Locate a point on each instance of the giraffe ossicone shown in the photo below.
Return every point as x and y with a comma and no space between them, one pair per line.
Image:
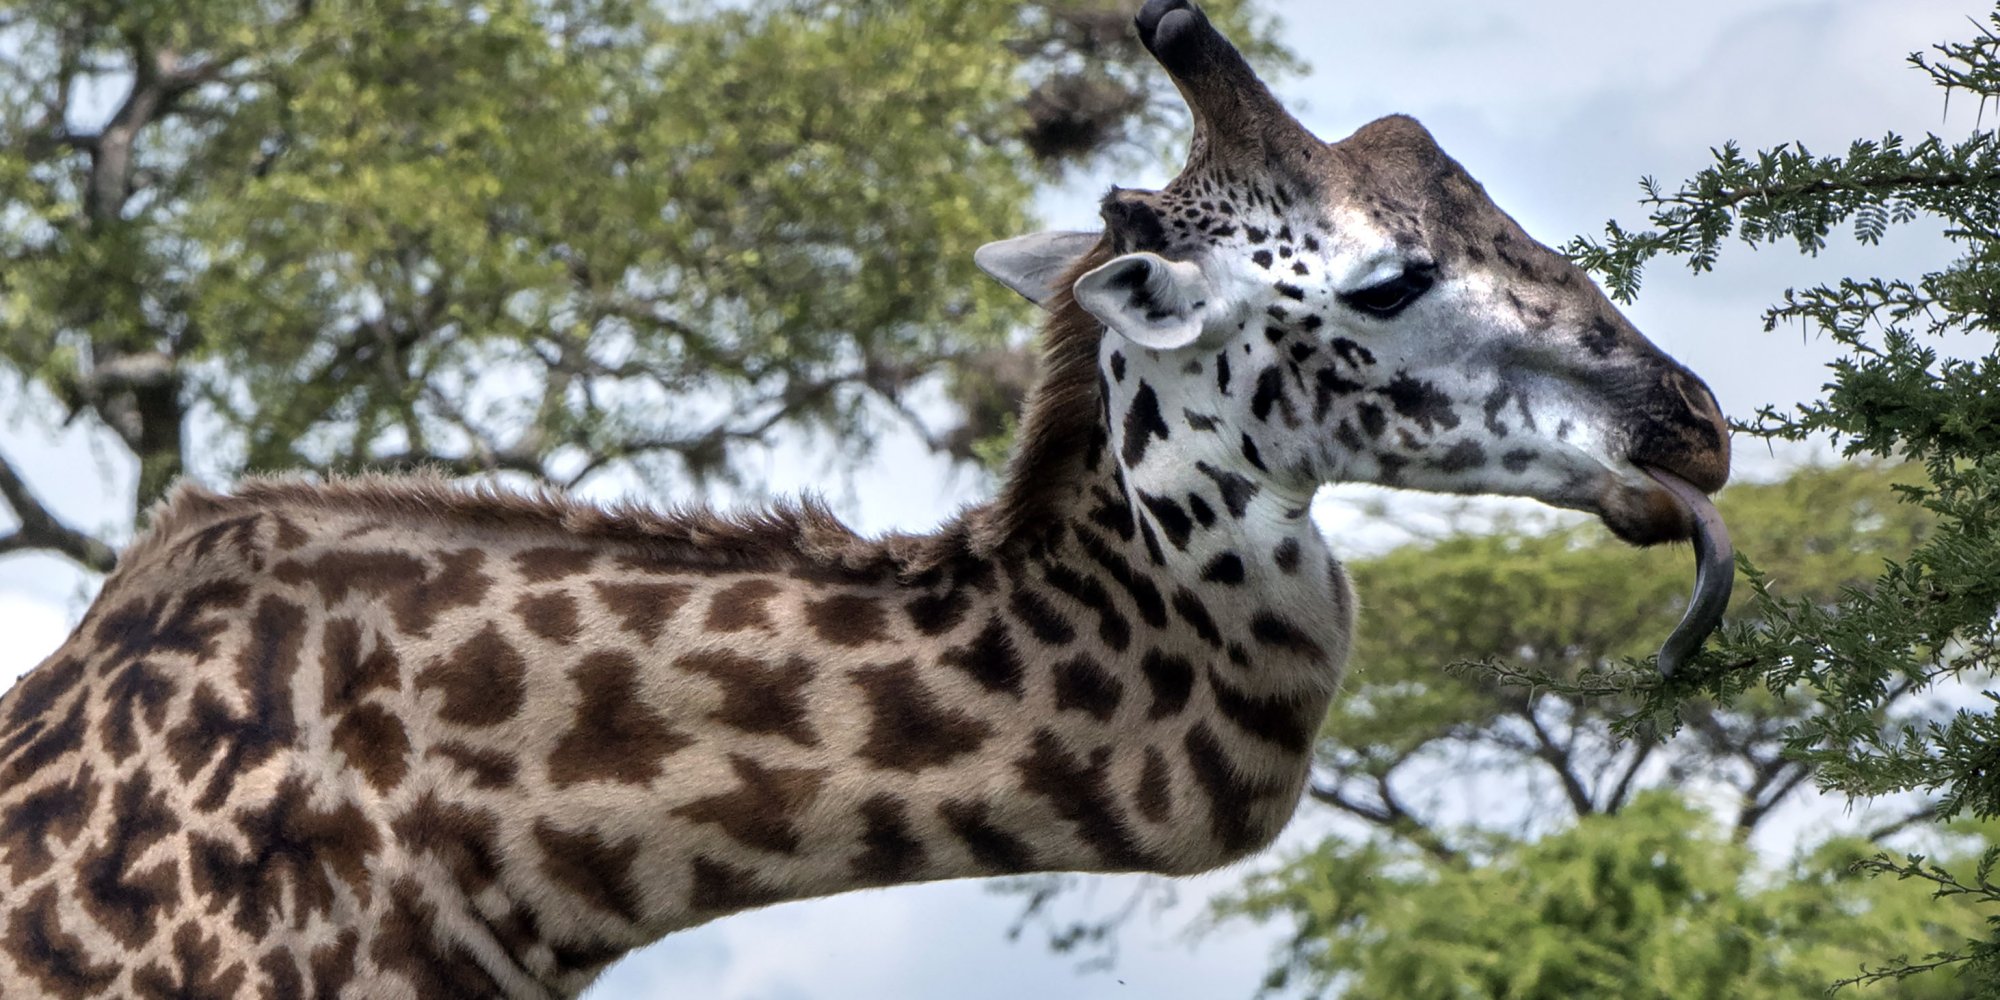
397,738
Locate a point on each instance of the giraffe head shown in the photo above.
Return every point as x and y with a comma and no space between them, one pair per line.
1361,311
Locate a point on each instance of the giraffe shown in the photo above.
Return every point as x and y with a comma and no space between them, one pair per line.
383,737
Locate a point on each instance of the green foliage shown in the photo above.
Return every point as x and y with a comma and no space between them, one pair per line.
1929,625
552,237
1657,902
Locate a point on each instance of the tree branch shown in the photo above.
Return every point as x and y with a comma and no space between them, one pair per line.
40,529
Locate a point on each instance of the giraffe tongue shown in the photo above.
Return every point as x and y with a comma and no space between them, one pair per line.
1714,574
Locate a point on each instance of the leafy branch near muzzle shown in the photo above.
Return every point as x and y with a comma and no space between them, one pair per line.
565,239
1929,625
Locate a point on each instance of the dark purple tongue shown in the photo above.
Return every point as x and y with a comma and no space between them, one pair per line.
1714,573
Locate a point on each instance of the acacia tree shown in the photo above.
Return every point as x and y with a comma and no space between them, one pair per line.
547,237
1929,624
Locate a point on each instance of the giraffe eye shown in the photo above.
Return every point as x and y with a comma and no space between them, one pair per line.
1387,298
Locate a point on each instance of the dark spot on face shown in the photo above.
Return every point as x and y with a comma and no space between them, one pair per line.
1286,555
1373,420
1291,291
1117,366
1251,455
1204,515
1237,491
1601,338
1230,793
1143,422
1422,402
1226,569
1276,631
1200,421
1351,354
1270,393
1222,373
1263,259
1283,720
1518,460
1462,456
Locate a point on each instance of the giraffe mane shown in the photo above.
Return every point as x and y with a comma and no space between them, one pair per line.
1063,419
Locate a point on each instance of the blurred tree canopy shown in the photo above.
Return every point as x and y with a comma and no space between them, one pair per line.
1513,845
549,237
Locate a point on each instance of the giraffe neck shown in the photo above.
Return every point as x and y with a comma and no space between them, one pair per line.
403,737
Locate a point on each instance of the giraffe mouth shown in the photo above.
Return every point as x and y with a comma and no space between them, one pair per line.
1714,571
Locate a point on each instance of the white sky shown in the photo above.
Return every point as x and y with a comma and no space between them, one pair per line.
1558,106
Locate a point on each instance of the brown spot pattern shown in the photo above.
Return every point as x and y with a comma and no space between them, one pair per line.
56,812
294,852
376,744
483,680
198,970
643,609
53,957
487,768
1082,685
848,619
997,850
1081,793
740,606
616,736
461,837
546,563
128,902
759,812
718,887
758,697
594,869
550,615
907,731
890,852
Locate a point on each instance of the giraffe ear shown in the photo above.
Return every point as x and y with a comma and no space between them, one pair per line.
1147,299
1035,264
